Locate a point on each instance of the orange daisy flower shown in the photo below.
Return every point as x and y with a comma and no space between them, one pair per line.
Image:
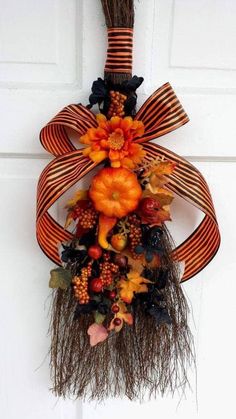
113,139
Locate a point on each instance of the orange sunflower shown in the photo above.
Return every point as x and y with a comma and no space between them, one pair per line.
113,139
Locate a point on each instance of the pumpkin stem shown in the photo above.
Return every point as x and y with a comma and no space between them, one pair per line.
105,225
115,196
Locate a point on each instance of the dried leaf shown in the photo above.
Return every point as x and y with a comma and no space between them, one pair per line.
98,317
159,168
156,176
78,196
60,278
157,218
163,196
69,219
97,333
133,284
136,264
164,168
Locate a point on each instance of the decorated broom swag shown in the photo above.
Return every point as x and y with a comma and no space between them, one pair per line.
119,321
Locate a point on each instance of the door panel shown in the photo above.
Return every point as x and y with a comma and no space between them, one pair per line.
51,52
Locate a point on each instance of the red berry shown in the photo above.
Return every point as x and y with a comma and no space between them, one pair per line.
117,321
111,295
95,251
96,285
115,308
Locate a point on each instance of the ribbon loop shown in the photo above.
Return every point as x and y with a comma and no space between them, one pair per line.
161,113
53,136
186,181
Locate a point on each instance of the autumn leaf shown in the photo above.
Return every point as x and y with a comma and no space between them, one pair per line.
78,196
60,278
98,317
160,168
161,216
133,284
156,176
156,217
97,333
70,217
79,200
165,167
136,264
139,264
162,195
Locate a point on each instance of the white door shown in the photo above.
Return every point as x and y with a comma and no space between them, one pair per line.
51,51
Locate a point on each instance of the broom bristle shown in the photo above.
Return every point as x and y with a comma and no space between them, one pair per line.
145,359
118,13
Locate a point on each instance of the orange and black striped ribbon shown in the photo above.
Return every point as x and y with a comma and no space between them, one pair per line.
119,50
161,113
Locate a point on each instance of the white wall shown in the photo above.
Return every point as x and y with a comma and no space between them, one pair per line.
51,52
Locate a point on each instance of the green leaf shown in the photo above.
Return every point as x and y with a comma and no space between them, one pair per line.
98,317
60,278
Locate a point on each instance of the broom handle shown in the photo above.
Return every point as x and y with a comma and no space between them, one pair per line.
119,17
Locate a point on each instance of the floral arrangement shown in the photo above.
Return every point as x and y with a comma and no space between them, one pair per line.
119,317
116,253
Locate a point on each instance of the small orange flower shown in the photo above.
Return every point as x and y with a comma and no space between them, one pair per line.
113,139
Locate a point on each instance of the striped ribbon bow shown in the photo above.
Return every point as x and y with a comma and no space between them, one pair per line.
160,114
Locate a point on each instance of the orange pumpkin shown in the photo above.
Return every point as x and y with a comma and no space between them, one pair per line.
115,191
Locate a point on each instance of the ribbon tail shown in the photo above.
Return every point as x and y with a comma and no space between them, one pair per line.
186,181
50,235
58,176
161,113
64,171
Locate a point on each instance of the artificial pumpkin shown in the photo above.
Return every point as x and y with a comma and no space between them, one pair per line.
115,191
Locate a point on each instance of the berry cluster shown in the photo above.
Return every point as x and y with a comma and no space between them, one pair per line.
135,234
107,269
87,217
81,284
116,107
